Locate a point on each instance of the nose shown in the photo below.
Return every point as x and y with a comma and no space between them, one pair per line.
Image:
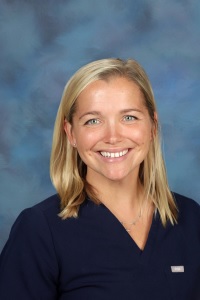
113,133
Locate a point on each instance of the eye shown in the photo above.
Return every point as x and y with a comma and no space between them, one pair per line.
129,118
92,122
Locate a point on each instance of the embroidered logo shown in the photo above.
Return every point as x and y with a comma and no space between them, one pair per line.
177,269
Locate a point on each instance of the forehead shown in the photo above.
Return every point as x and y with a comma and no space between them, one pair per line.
118,91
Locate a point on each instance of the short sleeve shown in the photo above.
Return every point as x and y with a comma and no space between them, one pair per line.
28,264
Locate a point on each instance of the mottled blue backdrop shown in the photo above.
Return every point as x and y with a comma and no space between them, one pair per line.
43,42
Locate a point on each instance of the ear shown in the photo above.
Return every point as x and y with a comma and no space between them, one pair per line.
69,132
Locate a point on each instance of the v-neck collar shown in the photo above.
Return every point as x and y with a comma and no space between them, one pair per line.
118,230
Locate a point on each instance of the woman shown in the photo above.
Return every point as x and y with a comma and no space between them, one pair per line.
114,231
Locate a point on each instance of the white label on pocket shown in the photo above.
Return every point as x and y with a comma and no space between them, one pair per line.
177,269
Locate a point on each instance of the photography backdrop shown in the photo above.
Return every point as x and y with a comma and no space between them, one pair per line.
42,43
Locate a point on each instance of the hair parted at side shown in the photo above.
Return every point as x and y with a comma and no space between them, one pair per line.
68,171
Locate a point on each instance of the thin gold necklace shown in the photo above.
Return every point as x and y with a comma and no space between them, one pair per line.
133,223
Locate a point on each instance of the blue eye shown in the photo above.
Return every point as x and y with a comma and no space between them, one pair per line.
92,122
129,118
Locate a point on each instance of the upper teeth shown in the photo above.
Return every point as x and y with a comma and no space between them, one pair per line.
113,154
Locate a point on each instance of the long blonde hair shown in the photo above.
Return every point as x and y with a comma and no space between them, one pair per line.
68,171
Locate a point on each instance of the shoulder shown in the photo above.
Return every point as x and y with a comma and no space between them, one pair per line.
42,221
37,217
50,204
49,207
188,209
185,203
31,232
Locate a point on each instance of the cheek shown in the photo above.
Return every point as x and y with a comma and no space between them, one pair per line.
85,140
142,135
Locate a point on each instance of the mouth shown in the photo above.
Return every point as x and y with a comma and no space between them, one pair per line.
113,154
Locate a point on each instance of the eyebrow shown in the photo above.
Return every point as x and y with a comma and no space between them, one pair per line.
98,113
130,110
95,113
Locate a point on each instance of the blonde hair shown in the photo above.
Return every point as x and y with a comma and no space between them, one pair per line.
68,171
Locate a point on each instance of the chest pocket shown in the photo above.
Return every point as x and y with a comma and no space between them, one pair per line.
184,284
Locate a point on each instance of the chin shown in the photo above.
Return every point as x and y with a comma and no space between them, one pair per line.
116,177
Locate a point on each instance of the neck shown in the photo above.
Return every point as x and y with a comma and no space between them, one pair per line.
125,194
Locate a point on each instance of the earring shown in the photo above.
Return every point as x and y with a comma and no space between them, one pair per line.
74,144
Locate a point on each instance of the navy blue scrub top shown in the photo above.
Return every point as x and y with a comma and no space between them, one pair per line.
93,257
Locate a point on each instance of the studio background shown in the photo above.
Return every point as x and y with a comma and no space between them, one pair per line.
42,43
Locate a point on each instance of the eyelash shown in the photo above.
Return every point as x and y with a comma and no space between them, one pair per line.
129,116
91,122
94,121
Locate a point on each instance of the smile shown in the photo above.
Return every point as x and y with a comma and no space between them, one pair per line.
114,154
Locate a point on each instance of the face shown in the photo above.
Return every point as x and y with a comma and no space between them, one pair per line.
112,129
